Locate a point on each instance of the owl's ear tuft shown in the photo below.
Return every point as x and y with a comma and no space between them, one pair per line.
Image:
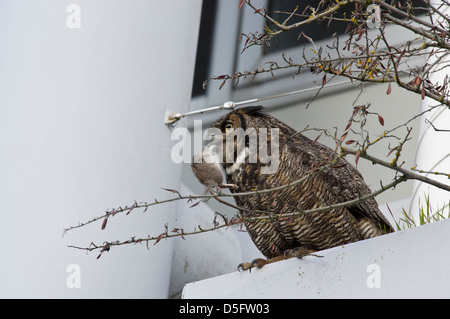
252,110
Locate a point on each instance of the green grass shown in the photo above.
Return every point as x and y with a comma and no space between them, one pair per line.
427,214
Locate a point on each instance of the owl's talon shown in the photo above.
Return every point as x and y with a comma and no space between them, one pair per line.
258,262
244,266
288,253
299,252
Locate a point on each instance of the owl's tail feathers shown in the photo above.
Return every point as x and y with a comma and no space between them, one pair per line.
298,252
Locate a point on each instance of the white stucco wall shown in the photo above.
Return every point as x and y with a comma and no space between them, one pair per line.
83,94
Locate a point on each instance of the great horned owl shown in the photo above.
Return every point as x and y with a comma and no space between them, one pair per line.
298,156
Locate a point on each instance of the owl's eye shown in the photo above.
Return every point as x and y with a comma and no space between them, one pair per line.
228,127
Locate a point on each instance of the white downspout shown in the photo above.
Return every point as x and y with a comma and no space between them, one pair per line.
433,151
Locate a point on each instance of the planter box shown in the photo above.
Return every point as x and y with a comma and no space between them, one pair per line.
409,264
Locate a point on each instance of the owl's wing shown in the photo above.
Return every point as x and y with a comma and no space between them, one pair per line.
342,181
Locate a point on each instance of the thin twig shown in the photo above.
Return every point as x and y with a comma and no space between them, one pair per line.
237,220
407,173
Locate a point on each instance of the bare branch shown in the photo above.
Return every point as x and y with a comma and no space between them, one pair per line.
435,128
408,174
235,220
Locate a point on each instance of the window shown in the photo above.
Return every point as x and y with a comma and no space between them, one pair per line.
281,9
204,46
220,52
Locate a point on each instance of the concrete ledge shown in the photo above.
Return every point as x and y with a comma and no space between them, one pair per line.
410,264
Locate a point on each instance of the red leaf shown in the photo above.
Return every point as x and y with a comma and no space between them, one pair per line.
223,83
343,137
324,80
417,81
246,41
131,208
388,91
105,248
315,140
161,236
422,93
241,3
350,142
358,154
104,223
348,125
193,205
381,120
